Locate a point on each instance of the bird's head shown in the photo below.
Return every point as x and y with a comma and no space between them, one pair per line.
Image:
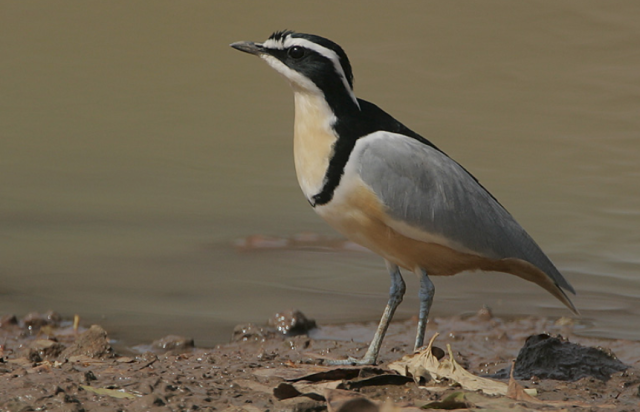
310,63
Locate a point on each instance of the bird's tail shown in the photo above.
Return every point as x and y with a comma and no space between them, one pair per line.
529,272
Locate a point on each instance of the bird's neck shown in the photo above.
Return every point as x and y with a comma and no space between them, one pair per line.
313,140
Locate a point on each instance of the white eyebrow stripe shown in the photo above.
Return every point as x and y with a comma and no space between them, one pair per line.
273,44
323,51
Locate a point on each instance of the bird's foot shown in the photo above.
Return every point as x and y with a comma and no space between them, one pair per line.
366,360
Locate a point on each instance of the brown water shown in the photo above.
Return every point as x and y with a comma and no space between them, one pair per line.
136,147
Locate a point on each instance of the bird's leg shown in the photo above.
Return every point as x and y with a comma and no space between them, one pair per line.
396,292
427,290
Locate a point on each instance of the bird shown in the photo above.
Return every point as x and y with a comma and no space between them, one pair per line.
389,189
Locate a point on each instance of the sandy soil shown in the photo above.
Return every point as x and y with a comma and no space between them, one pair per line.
46,364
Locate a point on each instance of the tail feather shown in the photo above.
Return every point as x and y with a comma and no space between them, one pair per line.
527,271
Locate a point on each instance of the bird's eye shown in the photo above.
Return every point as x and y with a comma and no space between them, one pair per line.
295,52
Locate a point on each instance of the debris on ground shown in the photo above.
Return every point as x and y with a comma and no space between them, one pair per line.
47,364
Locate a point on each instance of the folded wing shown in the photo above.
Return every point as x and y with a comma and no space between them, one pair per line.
427,193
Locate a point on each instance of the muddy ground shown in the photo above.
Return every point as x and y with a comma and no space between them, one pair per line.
47,364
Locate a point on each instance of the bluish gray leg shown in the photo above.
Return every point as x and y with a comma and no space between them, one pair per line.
396,292
427,290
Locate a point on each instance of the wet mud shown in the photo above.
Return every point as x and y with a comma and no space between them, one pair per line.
48,363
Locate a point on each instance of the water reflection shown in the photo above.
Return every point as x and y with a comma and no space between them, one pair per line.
137,147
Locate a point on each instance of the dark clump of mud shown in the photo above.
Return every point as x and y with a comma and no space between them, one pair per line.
48,363
291,322
548,357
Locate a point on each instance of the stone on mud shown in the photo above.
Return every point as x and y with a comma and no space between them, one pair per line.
93,343
548,357
291,322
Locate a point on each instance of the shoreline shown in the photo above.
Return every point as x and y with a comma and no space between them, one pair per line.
47,365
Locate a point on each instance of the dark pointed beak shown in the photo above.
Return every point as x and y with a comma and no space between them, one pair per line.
248,47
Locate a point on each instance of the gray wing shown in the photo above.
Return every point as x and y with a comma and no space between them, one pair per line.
426,189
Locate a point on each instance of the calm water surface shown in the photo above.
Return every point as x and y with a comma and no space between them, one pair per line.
136,147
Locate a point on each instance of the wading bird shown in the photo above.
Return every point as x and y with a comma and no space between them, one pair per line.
389,189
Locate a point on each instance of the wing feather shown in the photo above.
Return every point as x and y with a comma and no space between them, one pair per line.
425,189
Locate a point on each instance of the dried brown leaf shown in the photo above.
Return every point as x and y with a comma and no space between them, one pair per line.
285,391
424,365
313,373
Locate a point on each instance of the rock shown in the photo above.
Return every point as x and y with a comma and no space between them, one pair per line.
248,332
93,343
291,322
88,377
485,314
8,320
34,321
550,357
43,349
